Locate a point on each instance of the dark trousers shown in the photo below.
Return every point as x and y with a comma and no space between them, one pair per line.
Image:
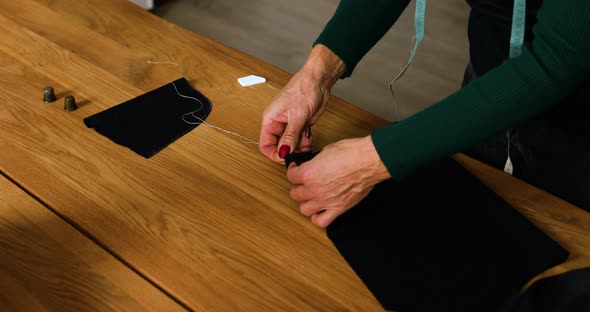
553,158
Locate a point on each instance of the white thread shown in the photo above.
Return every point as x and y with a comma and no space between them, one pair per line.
244,139
171,63
401,73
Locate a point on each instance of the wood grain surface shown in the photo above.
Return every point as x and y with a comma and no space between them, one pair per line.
208,219
46,265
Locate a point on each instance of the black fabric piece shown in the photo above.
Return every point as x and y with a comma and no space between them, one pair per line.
565,292
150,122
442,241
299,158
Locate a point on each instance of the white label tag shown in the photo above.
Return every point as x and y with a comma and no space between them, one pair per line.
250,80
508,168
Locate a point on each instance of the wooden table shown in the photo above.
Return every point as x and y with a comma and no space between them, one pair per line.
206,224
47,265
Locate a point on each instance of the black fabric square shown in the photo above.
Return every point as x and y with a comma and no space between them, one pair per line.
150,122
442,241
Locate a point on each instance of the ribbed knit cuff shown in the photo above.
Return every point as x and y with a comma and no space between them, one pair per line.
393,150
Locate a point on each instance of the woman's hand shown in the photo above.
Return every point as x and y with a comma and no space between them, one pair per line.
337,179
299,105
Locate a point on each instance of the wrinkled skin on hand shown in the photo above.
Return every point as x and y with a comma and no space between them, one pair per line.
343,173
337,179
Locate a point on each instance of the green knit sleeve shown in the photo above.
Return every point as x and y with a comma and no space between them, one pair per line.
357,25
551,67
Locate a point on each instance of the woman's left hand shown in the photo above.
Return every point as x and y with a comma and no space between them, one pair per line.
337,179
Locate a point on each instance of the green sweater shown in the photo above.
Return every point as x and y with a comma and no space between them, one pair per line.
552,65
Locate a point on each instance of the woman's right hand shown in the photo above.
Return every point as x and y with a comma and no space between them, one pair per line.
299,105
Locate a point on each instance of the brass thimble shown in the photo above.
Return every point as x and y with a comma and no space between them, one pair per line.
70,103
49,95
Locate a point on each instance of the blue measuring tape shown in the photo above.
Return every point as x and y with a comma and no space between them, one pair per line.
418,26
518,23
516,35
419,29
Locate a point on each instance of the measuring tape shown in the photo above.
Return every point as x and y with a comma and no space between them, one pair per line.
516,42
418,26
516,34
419,30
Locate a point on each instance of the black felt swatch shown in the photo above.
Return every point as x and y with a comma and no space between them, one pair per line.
150,122
442,241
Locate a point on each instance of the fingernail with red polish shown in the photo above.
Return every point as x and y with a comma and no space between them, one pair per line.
284,151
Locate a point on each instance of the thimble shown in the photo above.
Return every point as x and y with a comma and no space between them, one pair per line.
70,103
49,95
